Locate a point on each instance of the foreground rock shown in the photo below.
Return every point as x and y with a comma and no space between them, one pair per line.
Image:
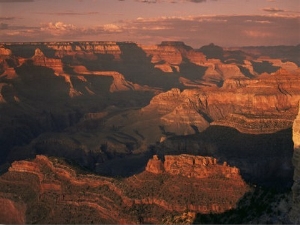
48,190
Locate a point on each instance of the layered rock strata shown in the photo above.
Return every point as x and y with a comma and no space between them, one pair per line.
49,191
263,105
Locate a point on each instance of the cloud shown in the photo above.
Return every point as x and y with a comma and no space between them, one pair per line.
15,1
168,1
112,28
197,1
259,21
273,10
70,13
148,1
69,31
223,30
227,30
58,28
257,34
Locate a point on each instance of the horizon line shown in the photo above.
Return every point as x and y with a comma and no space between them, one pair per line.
133,42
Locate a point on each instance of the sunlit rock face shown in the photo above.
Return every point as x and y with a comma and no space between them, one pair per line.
295,213
41,60
5,51
262,105
191,166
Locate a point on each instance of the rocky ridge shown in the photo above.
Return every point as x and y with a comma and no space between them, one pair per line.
48,191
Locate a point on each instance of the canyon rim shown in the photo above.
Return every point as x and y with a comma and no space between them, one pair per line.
120,132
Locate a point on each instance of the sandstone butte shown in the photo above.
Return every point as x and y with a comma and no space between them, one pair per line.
47,190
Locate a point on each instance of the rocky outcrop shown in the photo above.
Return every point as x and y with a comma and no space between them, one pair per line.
40,59
5,51
169,55
295,213
164,102
217,72
191,166
155,165
48,190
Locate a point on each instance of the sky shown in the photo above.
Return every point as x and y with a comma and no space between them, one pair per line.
228,23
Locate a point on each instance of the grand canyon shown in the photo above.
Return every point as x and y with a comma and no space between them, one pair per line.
120,132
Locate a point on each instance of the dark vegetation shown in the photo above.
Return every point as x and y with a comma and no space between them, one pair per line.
260,206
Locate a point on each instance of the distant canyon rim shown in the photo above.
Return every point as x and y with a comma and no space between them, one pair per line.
110,107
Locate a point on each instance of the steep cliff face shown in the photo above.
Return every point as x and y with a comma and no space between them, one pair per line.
295,213
49,191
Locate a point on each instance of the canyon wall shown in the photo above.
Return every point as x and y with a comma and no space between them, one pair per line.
112,99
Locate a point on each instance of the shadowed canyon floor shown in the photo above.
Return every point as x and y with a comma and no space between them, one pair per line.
110,106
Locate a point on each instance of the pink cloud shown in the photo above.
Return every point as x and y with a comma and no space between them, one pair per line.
58,28
236,30
257,34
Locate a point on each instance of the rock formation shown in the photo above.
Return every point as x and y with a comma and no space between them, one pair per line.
96,102
295,213
50,191
191,167
177,90
41,60
5,51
